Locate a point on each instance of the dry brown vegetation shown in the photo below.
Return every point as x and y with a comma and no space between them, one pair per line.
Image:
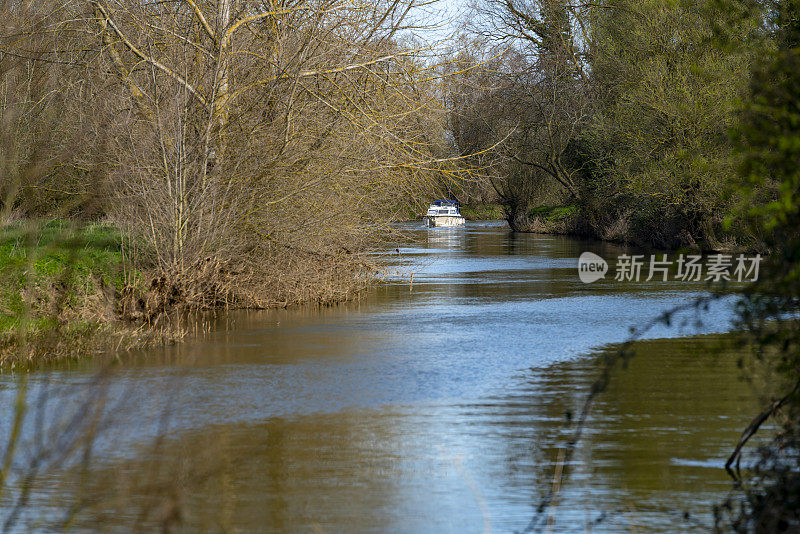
261,143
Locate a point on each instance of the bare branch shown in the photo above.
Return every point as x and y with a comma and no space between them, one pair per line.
157,64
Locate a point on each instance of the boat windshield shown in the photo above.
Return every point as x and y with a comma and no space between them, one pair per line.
444,204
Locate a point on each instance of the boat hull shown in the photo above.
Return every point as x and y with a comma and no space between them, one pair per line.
432,221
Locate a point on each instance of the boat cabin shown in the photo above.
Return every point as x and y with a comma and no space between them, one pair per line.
443,213
444,207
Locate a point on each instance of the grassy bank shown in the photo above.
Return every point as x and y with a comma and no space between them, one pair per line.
554,219
69,289
561,220
639,228
483,212
62,293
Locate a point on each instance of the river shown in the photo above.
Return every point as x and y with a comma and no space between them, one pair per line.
434,406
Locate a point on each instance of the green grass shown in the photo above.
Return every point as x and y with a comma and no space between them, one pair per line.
49,270
483,212
554,213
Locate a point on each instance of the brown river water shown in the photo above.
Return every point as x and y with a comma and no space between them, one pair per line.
433,407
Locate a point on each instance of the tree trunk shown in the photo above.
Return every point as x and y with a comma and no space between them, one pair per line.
222,85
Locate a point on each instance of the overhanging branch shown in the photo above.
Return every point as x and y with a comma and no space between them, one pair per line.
141,55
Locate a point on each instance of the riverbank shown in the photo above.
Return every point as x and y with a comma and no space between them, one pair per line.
483,212
629,229
72,290
64,294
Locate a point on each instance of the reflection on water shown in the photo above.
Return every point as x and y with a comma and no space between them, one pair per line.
447,238
437,407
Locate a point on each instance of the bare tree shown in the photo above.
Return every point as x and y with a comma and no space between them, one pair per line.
260,132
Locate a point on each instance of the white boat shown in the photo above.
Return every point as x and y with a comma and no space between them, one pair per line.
443,213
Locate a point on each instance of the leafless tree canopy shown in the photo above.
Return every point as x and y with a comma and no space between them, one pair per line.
258,137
